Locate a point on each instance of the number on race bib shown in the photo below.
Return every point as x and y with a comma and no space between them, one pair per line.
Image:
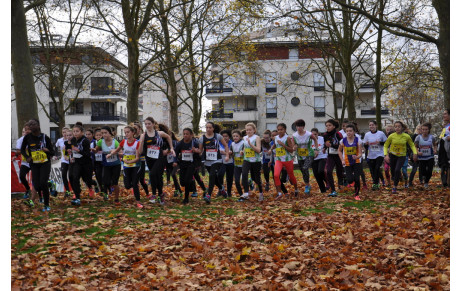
129,158
39,157
396,149
249,153
238,161
153,152
349,151
302,152
170,158
76,155
112,158
426,151
374,147
211,154
333,151
98,157
280,152
267,154
187,156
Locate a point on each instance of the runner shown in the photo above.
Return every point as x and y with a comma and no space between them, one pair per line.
418,131
81,168
151,143
137,136
304,151
444,149
389,129
187,150
396,154
350,153
235,150
426,145
209,148
332,140
271,164
227,167
111,165
169,159
131,162
319,163
37,149
284,148
252,161
267,143
25,167
375,139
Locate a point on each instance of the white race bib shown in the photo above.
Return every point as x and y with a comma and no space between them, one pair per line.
374,147
426,151
267,154
170,158
211,155
333,150
76,155
153,152
112,158
98,157
187,156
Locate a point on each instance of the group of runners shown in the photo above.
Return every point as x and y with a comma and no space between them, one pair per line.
238,156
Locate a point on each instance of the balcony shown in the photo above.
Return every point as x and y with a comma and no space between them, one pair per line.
216,114
117,116
245,115
219,90
371,112
367,88
89,117
114,95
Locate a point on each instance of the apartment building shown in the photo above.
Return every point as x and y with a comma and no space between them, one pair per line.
94,78
284,81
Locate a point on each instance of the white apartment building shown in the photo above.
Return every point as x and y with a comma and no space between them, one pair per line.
102,97
283,83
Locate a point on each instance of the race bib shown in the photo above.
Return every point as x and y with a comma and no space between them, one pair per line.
187,156
280,152
374,147
333,151
39,157
153,152
302,152
129,158
267,154
426,151
98,157
249,153
112,158
170,158
76,155
238,161
396,149
211,154
349,151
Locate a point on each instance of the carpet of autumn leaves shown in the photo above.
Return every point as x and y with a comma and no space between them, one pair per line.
385,242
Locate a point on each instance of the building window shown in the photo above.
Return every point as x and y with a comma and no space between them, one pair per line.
271,126
293,54
101,85
102,109
53,87
270,82
321,126
250,78
338,77
78,82
295,76
295,101
54,134
271,107
339,100
53,111
318,82
320,109
76,107
251,103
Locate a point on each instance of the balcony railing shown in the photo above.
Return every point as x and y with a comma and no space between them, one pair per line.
218,114
105,92
365,86
372,111
96,116
218,90
272,114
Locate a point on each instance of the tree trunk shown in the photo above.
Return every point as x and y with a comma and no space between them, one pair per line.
378,72
21,62
442,8
133,82
173,99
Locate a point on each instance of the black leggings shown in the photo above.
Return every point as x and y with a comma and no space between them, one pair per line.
237,173
197,178
64,174
171,171
254,168
304,166
226,170
426,170
334,161
83,171
374,168
266,169
98,171
396,164
445,168
414,171
318,170
110,177
22,176
213,171
187,171
131,180
142,178
353,174
156,168
40,177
